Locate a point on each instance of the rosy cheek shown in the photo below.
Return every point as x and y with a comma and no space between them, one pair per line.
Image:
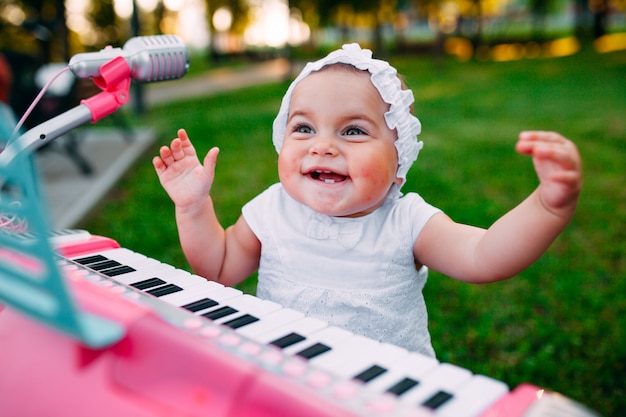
376,170
287,166
373,181
377,175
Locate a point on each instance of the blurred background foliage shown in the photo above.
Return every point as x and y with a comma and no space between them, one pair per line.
34,33
471,64
54,30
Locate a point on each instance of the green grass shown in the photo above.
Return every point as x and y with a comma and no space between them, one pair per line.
561,323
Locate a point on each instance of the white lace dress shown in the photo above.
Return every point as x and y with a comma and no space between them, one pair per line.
355,273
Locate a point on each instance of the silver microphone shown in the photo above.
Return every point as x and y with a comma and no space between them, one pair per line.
150,58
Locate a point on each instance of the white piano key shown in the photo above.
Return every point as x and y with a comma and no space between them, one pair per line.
328,336
374,364
252,304
147,269
271,321
209,289
126,258
405,369
165,275
360,359
155,271
445,377
348,356
184,279
246,304
176,282
304,327
473,397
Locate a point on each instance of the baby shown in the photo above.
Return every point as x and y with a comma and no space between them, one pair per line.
335,238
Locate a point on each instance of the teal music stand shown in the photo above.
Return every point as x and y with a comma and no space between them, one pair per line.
30,280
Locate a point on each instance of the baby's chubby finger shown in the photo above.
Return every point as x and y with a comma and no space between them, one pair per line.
182,146
177,149
541,135
165,156
158,164
528,140
525,143
211,156
210,160
182,135
546,145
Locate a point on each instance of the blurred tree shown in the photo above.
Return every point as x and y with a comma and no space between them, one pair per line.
379,12
103,19
477,16
591,19
346,14
539,10
240,14
33,34
599,9
44,23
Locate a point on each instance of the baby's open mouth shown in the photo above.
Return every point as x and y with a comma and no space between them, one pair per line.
328,177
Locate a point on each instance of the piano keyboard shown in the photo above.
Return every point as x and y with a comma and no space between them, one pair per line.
355,373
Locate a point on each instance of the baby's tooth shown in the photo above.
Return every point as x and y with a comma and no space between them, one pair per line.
329,181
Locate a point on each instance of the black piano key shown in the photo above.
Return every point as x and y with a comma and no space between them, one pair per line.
148,283
437,400
288,340
120,270
241,321
402,386
200,305
313,351
219,313
90,259
104,265
370,373
164,290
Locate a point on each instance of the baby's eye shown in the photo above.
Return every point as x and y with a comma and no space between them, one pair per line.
353,130
303,129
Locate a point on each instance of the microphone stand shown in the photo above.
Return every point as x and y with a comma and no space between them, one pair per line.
114,81
30,280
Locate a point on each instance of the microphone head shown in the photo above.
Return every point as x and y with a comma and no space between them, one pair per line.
157,58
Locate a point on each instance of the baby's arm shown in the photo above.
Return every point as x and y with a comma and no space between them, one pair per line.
227,256
522,235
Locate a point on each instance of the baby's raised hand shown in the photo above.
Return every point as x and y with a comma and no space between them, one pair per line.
558,166
186,181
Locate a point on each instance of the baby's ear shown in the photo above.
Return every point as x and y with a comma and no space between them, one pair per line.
398,181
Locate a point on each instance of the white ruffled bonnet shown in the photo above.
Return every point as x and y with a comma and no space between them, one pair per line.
384,77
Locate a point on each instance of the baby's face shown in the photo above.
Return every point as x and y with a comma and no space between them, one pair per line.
338,156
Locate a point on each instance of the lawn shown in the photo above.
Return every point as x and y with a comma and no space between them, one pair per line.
561,323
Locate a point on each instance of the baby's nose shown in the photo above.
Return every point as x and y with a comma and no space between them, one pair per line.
324,146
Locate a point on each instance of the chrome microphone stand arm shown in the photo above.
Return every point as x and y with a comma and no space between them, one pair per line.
114,81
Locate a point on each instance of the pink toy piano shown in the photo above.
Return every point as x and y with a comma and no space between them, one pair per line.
88,328
186,346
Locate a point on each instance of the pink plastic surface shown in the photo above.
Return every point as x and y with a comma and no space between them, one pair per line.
515,403
93,244
157,369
